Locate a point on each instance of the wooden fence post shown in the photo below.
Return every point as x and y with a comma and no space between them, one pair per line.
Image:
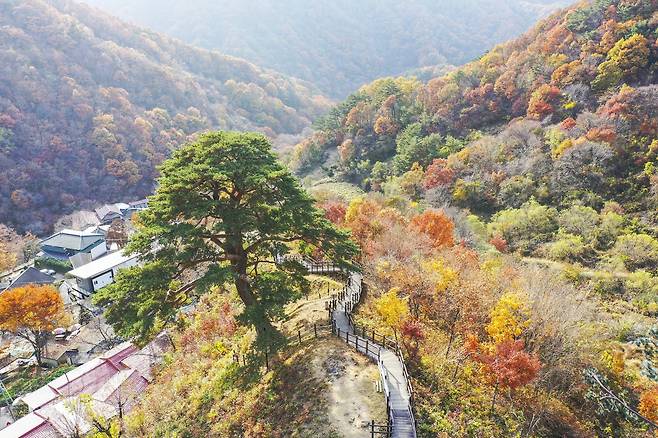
347,337
315,330
267,361
299,334
366,346
372,429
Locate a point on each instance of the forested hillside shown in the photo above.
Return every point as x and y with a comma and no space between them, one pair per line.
510,236
89,106
549,141
566,114
339,45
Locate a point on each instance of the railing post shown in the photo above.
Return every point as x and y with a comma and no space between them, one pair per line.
315,330
267,361
347,337
299,334
366,346
372,429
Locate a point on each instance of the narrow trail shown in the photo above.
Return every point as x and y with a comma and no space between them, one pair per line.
388,357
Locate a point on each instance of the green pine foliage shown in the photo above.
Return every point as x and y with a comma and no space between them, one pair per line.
225,212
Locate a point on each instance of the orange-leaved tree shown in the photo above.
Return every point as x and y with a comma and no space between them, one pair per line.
334,211
649,405
31,312
508,365
436,225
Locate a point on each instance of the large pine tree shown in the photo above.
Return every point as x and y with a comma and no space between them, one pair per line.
225,213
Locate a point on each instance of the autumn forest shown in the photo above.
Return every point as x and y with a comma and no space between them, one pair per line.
468,190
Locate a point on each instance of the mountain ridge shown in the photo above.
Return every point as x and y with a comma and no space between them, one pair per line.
339,45
93,105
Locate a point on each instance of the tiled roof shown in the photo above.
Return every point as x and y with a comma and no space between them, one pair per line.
107,209
108,379
101,265
72,239
32,426
31,276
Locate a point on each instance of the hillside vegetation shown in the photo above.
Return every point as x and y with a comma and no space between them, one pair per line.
89,106
339,45
551,138
542,153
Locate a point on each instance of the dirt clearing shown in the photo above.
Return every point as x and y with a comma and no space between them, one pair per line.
352,401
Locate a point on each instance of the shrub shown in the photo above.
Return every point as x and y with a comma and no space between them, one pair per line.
568,247
61,266
642,287
638,251
605,283
579,221
525,228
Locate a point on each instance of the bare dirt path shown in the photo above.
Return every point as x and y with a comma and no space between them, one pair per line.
352,400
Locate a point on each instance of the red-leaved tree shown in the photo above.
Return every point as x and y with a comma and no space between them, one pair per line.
507,366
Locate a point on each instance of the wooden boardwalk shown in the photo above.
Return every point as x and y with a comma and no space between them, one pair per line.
388,358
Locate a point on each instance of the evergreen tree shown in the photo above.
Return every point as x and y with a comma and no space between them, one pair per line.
225,213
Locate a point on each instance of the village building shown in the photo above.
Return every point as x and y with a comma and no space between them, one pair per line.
101,272
111,383
110,212
67,243
31,275
142,204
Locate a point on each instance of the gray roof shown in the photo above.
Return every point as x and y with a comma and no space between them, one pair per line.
139,203
31,276
101,265
106,209
71,239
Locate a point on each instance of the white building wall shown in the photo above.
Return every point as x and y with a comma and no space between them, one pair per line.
127,264
98,250
102,280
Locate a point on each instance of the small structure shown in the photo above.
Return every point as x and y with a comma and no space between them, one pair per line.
31,276
67,243
110,212
101,272
113,382
142,204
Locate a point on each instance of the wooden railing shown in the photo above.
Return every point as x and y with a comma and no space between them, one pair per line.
370,341
266,358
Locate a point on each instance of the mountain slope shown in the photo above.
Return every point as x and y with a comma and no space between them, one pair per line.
571,109
89,106
341,44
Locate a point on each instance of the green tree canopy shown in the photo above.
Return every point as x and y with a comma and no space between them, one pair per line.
225,213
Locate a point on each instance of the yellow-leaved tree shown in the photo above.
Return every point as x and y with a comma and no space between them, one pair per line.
509,317
442,276
393,309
